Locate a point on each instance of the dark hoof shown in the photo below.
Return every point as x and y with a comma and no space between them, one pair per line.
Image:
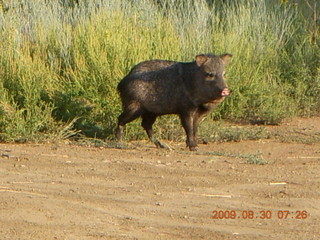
194,148
192,145
161,145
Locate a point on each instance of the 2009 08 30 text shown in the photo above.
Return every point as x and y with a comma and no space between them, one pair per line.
264,214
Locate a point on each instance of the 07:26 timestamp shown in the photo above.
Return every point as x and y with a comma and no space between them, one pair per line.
264,214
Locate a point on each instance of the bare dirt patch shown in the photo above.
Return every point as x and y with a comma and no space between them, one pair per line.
61,191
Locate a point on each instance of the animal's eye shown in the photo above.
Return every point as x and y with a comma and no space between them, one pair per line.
211,75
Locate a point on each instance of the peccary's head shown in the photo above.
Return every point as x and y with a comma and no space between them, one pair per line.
212,74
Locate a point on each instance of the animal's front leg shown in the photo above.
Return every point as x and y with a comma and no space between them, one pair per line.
187,123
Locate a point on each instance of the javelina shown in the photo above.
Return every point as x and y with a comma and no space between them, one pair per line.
158,87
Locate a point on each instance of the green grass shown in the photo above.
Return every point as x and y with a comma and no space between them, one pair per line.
256,159
297,137
60,62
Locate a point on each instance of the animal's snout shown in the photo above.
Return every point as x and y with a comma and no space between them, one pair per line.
225,92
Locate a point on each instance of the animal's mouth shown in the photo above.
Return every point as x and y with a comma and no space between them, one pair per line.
225,92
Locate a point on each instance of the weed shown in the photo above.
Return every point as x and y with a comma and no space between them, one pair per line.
234,134
60,61
250,158
298,138
256,159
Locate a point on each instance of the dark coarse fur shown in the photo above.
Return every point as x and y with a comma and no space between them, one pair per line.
157,87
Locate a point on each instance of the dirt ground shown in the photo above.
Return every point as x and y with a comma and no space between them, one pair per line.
67,191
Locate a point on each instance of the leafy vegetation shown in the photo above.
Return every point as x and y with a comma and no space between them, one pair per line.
256,159
60,61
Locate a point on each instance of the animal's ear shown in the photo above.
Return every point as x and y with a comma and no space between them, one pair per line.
226,58
201,59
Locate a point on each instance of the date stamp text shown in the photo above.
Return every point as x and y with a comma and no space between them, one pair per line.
264,214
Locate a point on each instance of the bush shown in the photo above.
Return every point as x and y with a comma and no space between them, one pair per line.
61,60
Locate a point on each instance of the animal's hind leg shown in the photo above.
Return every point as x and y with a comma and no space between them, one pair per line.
147,122
128,115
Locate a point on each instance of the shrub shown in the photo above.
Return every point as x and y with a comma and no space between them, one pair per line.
61,60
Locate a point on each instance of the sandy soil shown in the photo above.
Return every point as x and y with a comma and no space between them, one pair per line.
65,191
